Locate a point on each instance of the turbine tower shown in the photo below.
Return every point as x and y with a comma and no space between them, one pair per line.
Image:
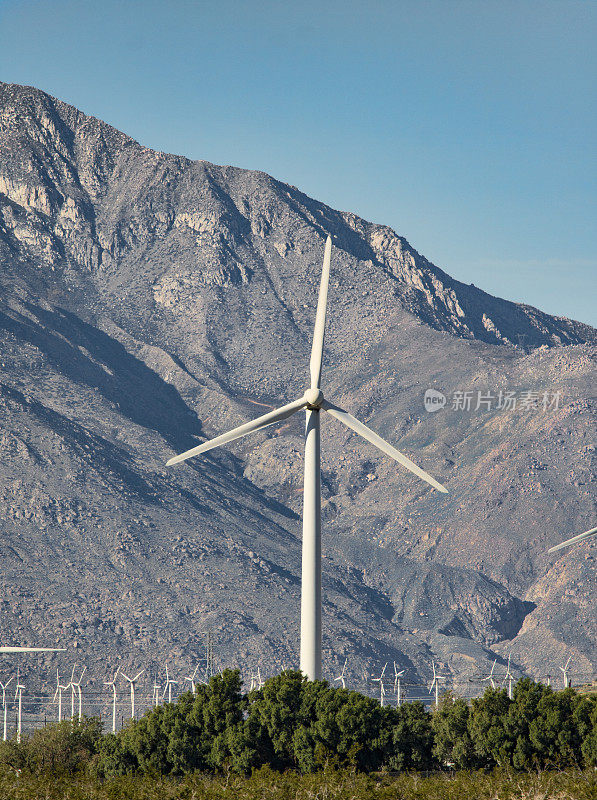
574,540
132,682
4,706
112,683
313,402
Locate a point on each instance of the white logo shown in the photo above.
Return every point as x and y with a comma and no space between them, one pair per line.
434,400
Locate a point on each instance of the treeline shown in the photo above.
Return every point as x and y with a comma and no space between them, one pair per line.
292,723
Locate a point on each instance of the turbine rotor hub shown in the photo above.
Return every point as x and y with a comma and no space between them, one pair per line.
314,398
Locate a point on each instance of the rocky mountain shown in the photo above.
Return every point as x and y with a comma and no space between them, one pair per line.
148,300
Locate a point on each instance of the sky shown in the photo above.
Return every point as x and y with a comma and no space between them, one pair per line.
468,126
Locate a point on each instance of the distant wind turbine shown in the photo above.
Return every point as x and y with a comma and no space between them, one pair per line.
397,676
564,670
382,688
58,694
509,677
5,706
19,697
313,402
112,683
132,682
76,686
341,675
435,683
490,677
170,682
191,679
581,537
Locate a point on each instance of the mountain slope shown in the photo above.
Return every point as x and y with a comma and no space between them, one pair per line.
148,300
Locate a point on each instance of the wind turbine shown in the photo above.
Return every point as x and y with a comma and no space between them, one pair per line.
132,682
259,681
509,677
58,694
156,692
4,705
581,537
312,402
112,683
565,672
490,677
19,695
397,676
382,688
191,678
169,684
435,683
341,675
76,685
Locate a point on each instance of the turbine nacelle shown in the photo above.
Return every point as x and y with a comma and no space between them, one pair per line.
313,399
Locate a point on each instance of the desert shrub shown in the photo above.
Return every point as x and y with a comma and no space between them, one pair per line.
60,748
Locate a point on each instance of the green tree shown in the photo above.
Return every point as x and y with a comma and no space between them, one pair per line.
453,745
487,725
412,738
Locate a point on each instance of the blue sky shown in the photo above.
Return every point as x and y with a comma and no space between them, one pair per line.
468,127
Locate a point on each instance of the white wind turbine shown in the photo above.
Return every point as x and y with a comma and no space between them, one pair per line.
397,676
156,692
19,696
341,675
435,683
581,537
132,682
76,686
191,679
112,683
170,682
312,402
509,677
259,681
58,694
490,677
382,688
5,706
564,670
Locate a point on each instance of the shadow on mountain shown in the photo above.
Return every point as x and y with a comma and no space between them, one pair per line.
88,356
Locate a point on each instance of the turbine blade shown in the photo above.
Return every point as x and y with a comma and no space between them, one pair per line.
574,540
351,422
249,427
31,649
319,331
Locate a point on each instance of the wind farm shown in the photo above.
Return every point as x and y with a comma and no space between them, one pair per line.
222,584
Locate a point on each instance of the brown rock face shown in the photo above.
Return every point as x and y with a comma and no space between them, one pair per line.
148,300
